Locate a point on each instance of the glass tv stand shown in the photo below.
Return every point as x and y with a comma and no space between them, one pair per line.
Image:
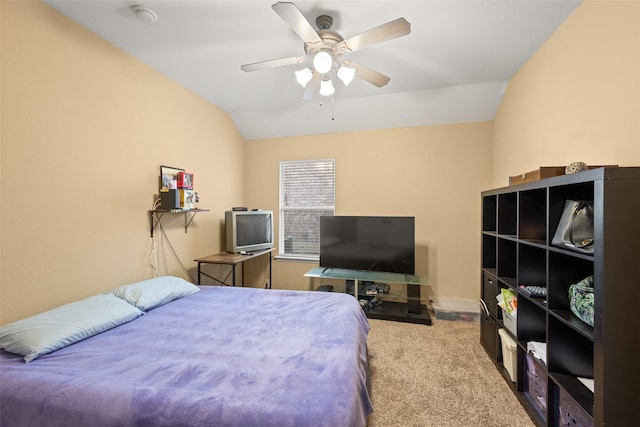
412,311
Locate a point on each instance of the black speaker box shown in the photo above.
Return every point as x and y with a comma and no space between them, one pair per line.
170,200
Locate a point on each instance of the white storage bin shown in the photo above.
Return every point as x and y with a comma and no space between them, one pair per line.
510,321
509,354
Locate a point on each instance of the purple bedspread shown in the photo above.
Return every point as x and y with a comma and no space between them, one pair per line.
221,357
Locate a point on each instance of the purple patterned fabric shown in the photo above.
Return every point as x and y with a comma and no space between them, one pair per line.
221,357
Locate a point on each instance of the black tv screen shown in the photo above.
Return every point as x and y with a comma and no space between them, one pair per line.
370,243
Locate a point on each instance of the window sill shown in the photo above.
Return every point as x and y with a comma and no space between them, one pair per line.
297,258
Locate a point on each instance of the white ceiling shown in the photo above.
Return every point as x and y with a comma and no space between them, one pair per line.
452,68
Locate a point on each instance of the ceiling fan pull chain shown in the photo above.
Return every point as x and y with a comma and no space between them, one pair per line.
333,117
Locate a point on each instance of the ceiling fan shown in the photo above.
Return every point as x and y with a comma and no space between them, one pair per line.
325,49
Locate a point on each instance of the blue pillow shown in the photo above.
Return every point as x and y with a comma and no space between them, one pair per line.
65,325
153,293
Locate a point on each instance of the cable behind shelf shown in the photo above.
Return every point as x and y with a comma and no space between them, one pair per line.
157,258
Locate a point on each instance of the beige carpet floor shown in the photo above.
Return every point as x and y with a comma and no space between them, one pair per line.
437,375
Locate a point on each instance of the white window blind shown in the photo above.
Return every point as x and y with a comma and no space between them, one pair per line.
307,192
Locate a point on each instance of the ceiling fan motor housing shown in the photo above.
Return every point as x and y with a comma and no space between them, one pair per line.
324,22
329,38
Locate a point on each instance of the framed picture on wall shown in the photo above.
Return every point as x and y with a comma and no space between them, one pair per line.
169,177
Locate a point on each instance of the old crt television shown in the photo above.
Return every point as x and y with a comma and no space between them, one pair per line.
248,231
368,243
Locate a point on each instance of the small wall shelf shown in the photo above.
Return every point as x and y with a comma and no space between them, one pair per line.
155,215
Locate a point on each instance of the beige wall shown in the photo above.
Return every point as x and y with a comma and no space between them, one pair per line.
434,173
85,128
577,98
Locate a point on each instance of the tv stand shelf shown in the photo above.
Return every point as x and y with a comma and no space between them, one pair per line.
412,311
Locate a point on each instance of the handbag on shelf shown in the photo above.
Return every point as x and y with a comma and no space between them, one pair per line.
575,229
581,300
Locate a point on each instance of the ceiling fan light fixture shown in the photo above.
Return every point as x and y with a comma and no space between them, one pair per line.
322,62
304,76
346,74
326,87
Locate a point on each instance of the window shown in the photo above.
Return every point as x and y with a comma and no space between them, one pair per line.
307,192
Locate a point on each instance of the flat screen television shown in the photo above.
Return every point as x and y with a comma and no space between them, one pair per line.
368,243
248,231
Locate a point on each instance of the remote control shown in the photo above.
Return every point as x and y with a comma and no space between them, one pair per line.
534,291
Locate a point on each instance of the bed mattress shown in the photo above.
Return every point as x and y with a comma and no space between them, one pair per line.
221,357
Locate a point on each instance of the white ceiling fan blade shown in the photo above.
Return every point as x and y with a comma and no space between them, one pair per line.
391,30
296,20
368,75
312,90
273,63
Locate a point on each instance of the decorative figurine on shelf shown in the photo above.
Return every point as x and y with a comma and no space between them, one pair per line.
575,167
197,201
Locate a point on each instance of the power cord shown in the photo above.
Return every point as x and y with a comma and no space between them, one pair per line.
157,253
175,255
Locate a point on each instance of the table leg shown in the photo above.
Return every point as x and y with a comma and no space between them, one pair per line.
233,275
270,269
413,299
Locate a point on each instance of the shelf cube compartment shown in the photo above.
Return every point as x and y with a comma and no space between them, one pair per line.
508,214
569,351
532,223
532,320
559,195
564,271
507,255
489,249
532,265
489,213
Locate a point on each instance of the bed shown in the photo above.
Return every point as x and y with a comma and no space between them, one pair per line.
220,356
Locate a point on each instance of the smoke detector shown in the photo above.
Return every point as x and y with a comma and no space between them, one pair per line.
144,14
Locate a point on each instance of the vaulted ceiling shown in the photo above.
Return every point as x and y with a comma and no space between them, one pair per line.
453,67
